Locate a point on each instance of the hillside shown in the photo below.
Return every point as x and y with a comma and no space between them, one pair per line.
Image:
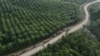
27,22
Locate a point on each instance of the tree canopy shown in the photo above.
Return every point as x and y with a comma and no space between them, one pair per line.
75,44
27,22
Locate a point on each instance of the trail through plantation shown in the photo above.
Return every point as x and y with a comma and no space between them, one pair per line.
71,30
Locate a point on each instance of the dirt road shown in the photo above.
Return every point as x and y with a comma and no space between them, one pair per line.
72,29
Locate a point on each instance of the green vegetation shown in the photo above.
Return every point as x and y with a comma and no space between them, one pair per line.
76,44
94,27
27,22
78,1
81,43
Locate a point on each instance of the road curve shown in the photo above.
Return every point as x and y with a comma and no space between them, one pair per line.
72,29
